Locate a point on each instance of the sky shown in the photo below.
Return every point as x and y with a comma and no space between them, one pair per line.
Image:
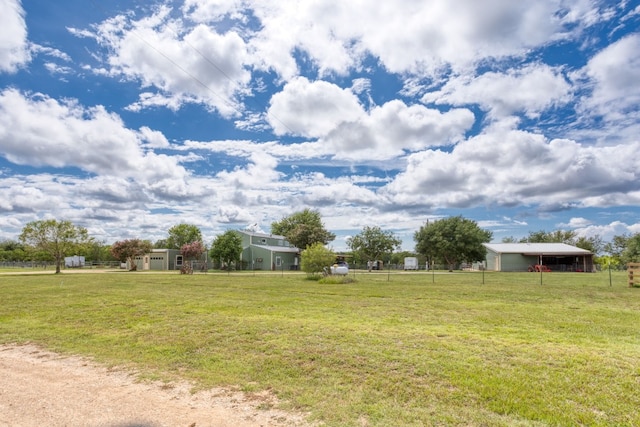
129,117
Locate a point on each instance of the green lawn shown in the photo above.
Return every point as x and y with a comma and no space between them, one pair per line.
386,350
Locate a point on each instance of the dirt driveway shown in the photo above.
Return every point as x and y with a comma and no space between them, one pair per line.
41,388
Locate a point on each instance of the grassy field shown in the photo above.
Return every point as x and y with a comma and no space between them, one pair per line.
388,349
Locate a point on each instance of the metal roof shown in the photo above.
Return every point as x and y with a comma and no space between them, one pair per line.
256,234
287,249
536,249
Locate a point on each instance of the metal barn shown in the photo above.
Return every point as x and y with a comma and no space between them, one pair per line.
525,256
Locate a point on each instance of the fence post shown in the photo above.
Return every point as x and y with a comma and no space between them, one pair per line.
631,268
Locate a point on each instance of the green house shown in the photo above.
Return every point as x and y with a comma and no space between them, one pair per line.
262,251
525,257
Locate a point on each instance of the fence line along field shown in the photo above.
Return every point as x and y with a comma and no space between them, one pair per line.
497,349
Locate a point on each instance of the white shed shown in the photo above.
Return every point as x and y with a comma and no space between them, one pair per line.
75,261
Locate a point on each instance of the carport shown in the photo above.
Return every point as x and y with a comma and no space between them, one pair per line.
521,256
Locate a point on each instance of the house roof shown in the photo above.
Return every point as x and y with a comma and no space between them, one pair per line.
536,249
253,233
287,249
272,248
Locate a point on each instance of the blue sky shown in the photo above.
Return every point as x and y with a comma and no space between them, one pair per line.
130,117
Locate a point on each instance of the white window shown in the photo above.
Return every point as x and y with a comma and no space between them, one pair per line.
278,261
179,261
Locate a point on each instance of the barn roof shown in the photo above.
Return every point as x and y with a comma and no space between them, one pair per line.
536,249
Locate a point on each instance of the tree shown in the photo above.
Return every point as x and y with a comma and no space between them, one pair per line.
226,247
182,234
128,250
608,261
191,251
303,229
593,244
55,238
557,236
452,240
96,251
509,239
631,251
161,244
11,250
617,246
315,258
372,243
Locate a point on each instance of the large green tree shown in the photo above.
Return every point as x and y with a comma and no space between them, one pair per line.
303,229
55,238
128,250
182,234
452,240
372,243
226,247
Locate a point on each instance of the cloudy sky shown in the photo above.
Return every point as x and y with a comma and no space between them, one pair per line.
129,117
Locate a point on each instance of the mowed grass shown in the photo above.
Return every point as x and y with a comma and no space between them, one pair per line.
386,350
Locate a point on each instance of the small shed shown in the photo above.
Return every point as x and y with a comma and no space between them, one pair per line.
75,261
160,260
523,256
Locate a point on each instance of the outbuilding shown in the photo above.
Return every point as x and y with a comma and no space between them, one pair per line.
547,256
168,259
159,260
75,261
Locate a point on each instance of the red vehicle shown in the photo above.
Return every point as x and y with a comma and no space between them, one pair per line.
539,268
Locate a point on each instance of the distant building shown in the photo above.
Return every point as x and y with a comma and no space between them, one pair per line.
167,259
261,251
159,260
75,261
524,256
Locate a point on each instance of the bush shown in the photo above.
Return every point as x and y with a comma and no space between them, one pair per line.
315,258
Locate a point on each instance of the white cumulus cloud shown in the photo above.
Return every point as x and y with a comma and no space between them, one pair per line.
14,46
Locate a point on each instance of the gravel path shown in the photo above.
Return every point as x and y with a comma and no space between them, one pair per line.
41,388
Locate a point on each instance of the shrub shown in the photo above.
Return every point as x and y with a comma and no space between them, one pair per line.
315,258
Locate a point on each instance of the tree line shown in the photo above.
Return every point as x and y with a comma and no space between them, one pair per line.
448,241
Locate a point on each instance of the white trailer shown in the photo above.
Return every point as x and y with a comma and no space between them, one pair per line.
411,263
74,261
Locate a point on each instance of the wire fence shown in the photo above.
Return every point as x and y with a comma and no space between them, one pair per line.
44,265
362,272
